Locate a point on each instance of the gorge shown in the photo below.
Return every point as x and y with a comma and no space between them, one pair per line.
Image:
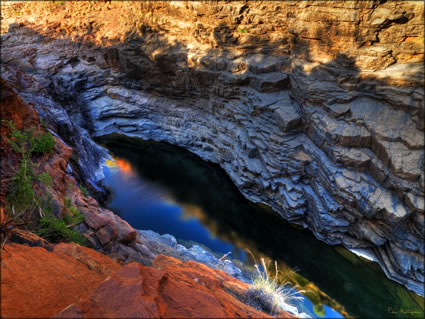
313,108
165,189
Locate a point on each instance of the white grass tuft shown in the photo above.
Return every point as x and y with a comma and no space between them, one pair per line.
267,294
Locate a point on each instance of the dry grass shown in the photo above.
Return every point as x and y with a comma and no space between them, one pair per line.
266,294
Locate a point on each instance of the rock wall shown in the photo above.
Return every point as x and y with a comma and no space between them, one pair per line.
314,108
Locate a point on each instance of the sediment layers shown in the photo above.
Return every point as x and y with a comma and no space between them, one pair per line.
315,109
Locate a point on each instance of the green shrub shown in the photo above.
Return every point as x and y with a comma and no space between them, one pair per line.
57,230
21,141
243,30
44,143
70,187
45,179
45,203
67,202
76,217
22,193
84,191
27,141
22,196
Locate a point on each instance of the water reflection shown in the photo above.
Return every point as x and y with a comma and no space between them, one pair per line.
148,205
169,190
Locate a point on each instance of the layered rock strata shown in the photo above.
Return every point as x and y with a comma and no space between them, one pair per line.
314,108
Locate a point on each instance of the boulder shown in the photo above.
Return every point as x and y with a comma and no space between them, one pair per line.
287,118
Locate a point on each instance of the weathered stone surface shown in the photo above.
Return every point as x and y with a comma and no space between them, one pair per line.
74,281
20,236
355,77
270,82
39,283
151,244
93,219
172,289
106,234
288,118
125,233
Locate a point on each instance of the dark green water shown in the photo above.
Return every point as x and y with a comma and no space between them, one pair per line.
169,190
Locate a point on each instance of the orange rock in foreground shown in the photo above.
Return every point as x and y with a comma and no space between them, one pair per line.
39,283
170,289
74,281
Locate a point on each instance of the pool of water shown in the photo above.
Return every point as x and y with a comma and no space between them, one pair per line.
169,190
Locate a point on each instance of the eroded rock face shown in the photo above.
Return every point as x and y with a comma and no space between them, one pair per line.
170,289
313,108
74,281
39,283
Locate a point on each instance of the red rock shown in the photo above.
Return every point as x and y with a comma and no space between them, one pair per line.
12,108
23,115
74,281
106,234
108,227
173,289
93,219
39,283
86,256
20,236
128,293
126,233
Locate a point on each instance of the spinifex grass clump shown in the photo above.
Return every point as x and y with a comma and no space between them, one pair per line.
267,294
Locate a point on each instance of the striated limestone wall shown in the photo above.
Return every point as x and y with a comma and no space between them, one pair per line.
313,107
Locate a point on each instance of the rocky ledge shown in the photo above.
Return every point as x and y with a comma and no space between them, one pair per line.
77,282
314,108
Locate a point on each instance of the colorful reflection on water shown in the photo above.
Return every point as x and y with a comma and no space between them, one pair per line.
160,187
149,205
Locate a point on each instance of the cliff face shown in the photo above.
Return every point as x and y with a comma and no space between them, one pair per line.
315,108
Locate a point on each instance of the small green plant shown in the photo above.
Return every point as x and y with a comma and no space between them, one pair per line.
243,30
57,230
22,197
22,193
45,179
67,202
44,143
84,191
76,217
267,294
28,141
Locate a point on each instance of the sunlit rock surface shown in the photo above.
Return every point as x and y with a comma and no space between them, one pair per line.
74,281
315,108
39,283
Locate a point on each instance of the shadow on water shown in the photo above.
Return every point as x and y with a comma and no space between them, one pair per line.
331,276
